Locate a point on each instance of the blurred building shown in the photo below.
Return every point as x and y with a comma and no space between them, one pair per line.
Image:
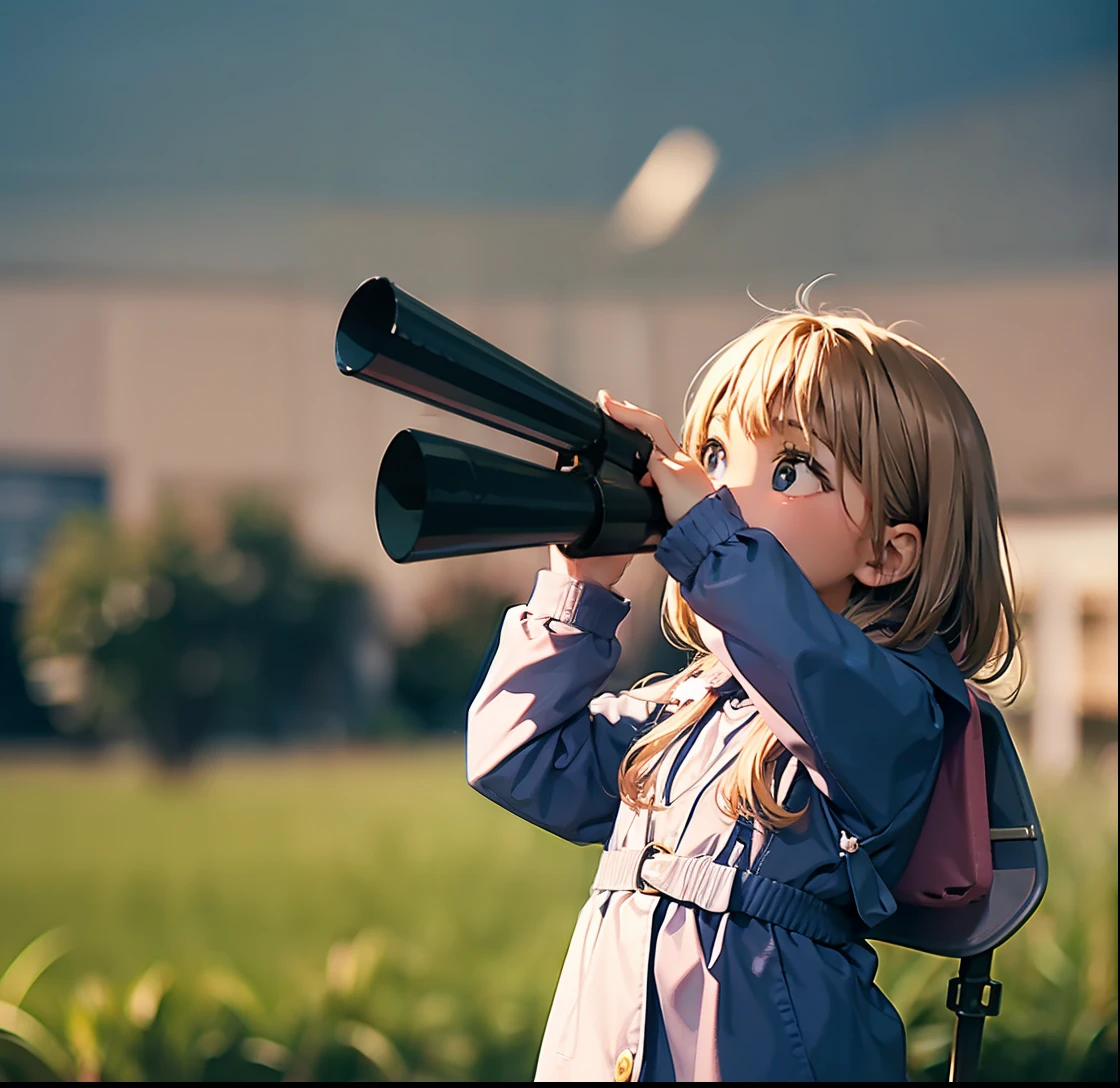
188,346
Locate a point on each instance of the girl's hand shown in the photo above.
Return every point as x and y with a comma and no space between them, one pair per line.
681,479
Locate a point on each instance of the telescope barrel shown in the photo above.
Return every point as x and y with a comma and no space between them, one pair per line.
437,497
387,337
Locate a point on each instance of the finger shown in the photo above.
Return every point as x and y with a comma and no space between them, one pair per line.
616,404
649,423
637,418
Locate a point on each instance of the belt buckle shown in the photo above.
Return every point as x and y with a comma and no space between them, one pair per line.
648,851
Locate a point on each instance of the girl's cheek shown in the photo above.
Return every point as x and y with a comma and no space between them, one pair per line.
793,526
811,528
802,526
816,533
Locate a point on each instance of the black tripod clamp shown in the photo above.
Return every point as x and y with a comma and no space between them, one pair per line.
973,995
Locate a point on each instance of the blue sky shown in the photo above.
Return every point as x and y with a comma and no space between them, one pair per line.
491,102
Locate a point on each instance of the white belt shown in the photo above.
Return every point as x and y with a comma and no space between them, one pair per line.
655,870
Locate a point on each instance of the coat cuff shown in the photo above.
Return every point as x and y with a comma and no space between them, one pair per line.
711,521
584,605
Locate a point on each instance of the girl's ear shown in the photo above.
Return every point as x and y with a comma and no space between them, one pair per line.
902,548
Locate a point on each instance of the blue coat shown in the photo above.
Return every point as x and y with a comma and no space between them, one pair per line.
658,989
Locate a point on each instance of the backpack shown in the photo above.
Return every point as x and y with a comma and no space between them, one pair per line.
977,874
951,865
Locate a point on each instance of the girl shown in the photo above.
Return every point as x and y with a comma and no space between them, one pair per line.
834,561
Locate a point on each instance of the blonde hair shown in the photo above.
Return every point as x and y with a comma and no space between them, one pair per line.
895,418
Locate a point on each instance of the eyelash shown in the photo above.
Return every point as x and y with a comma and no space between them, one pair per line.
792,453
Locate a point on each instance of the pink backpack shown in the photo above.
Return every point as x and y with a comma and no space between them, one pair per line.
952,862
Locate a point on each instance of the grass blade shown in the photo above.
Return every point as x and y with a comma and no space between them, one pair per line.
31,963
28,1031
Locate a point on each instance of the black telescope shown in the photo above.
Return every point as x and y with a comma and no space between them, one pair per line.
438,497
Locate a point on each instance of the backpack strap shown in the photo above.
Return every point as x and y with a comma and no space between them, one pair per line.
704,883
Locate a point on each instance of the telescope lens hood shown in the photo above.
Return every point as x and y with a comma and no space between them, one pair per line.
437,497
401,491
392,340
367,322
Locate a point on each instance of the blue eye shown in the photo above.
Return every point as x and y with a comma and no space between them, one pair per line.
785,475
713,457
797,474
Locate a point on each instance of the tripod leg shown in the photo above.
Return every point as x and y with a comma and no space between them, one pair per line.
973,995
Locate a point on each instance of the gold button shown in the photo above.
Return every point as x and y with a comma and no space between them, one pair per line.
624,1066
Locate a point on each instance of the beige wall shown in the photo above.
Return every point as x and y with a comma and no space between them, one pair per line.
203,390
53,374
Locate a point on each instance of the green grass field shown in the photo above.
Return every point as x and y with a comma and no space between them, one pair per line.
241,879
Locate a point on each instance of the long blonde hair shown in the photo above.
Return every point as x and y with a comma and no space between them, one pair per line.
895,418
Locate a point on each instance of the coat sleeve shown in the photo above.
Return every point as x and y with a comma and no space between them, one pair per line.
538,742
866,724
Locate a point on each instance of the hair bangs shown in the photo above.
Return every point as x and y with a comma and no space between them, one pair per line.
775,372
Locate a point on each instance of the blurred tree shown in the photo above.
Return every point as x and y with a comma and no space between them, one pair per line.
179,640
657,656
434,673
20,718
